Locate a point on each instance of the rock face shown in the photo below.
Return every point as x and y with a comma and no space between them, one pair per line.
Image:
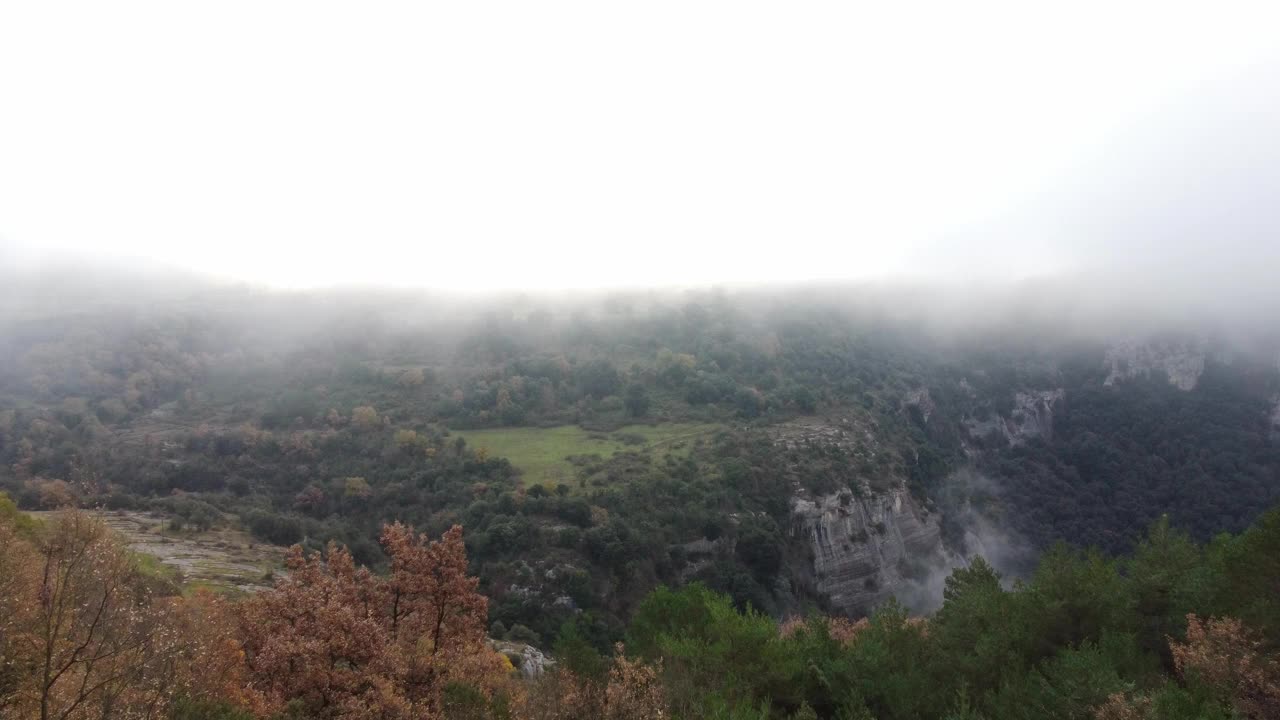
529,660
1031,417
856,549
920,400
1182,362
866,549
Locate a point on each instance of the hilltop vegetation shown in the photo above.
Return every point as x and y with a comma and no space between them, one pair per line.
311,418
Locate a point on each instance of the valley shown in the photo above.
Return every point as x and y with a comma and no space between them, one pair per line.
761,465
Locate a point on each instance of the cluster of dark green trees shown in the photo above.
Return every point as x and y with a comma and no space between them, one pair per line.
1085,636
314,418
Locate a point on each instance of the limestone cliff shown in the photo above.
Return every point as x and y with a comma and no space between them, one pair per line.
920,400
864,543
1031,417
864,550
1181,361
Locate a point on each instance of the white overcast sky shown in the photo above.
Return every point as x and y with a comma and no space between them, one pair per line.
479,144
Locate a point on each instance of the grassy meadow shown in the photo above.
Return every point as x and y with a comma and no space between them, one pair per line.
543,454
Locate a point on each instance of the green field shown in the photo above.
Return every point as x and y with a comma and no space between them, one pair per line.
542,454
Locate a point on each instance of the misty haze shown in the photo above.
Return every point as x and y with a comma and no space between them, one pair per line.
686,360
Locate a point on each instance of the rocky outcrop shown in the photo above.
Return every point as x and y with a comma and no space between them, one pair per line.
1032,414
867,549
1031,417
854,549
1181,361
529,660
544,582
920,400
854,430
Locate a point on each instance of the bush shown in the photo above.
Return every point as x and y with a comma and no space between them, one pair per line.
520,633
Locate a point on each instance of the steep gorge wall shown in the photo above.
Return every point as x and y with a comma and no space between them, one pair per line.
1182,362
864,550
1032,417
874,540
855,549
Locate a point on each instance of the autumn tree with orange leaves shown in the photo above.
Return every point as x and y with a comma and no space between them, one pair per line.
1223,654
343,643
633,690
84,634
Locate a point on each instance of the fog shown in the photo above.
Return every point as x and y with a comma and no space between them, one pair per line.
1050,312
966,499
1127,151
975,184
259,219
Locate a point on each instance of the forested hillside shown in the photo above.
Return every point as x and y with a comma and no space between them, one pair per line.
639,361
598,446
1175,630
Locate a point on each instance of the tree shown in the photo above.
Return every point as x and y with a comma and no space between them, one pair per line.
314,640
710,651
575,653
433,609
365,418
1249,576
803,398
356,488
979,627
18,587
211,664
344,643
1167,580
637,400
89,638
748,401
405,439
412,378
759,546
978,577
1222,654
634,691
598,378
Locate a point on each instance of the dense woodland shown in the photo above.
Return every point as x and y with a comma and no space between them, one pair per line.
315,419
1174,630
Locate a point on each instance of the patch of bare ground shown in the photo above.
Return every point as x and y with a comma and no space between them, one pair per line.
223,558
